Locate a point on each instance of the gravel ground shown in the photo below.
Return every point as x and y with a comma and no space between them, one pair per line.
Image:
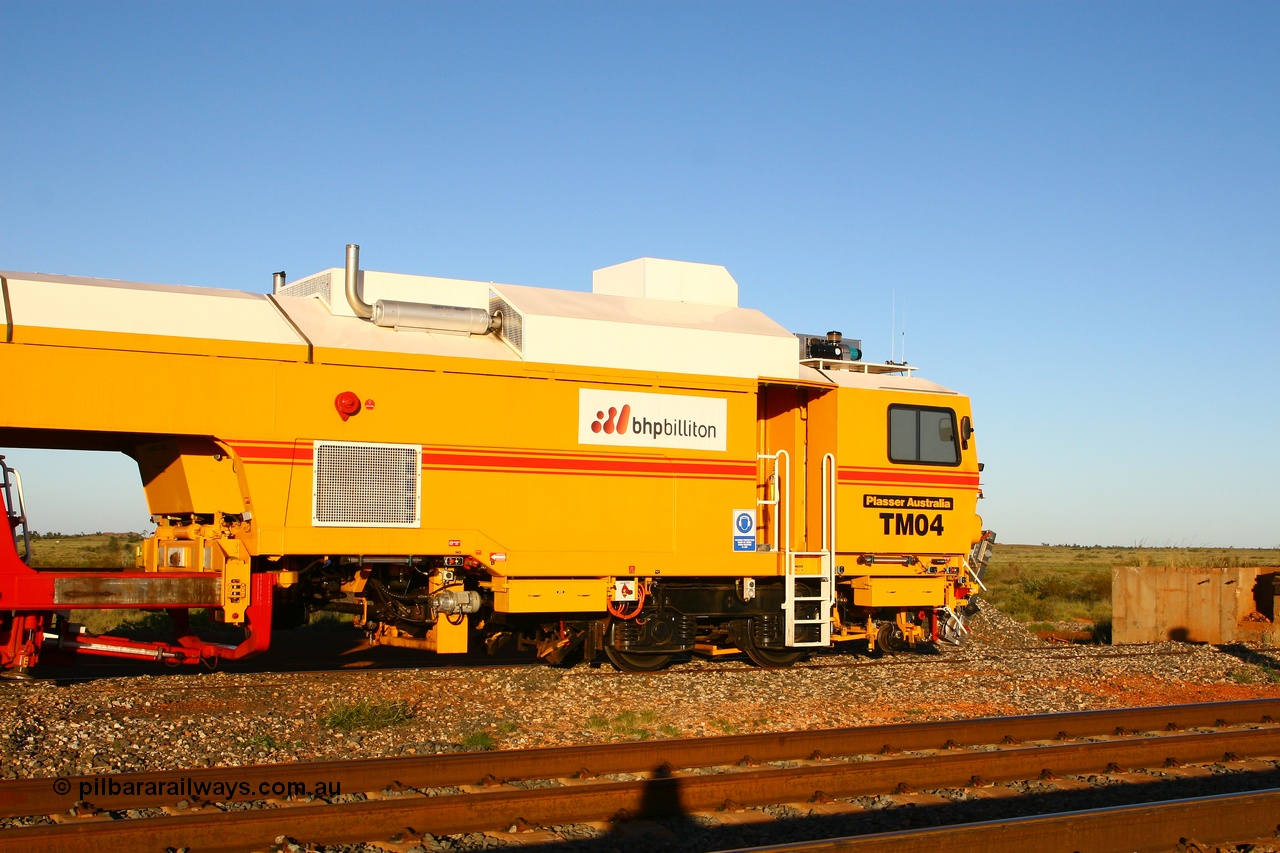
180,720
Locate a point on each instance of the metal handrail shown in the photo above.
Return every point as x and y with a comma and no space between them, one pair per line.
780,499
18,518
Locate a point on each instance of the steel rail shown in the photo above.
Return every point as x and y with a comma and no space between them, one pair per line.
118,667
657,796
828,660
38,796
1147,828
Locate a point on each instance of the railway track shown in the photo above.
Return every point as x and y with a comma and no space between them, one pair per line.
997,767
829,661
1241,821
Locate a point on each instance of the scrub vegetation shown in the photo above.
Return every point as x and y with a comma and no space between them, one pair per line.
83,551
1072,583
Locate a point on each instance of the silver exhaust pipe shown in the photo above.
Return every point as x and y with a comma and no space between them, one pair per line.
438,318
354,298
389,313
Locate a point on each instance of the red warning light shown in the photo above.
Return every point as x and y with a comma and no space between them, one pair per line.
347,404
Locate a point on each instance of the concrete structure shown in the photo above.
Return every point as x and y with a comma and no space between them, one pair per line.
1219,605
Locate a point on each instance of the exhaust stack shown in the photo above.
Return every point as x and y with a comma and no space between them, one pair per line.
392,314
363,309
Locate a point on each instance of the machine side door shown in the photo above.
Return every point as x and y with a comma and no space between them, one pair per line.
797,424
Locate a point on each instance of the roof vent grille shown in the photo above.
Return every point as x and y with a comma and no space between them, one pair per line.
512,323
316,285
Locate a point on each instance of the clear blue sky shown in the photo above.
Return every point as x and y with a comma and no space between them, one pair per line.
1078,202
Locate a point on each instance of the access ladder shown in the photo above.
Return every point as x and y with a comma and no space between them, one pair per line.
779,497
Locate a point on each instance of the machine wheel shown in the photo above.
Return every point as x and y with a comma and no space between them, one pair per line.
769,658
773,658
637,661
889,639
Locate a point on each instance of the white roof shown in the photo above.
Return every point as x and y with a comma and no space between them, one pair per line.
883,381
571,327
674,281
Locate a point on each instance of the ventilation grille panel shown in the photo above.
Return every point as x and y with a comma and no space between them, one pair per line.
321,285
512,323
367,485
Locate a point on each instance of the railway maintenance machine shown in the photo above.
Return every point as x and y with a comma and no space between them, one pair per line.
644,471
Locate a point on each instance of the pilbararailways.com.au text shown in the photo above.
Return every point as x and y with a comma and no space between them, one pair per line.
216,790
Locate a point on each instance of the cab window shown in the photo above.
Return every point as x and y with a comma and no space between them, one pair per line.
923,435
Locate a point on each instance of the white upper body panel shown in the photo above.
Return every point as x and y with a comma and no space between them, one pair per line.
648,315
673,281
633,333
98,304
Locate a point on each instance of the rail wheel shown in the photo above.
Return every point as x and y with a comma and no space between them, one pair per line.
637,661
769,658
889,639
773,658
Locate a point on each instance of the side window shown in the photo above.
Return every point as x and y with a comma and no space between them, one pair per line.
923,435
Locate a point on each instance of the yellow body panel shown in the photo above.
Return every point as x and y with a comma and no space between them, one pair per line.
512,466
502,469
538,595
888,508
899,592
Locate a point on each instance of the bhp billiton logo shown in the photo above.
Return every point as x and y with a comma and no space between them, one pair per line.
616,422
639,419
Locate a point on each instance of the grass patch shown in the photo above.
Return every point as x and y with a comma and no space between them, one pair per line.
270,743
630,719
365,715
1262,674
328,622
479,740
632,724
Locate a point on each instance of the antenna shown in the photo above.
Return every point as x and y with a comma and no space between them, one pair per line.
904,330
893,322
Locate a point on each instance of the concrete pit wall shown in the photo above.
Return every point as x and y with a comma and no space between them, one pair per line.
1152,605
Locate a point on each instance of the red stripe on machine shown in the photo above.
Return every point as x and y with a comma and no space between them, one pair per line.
521,462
